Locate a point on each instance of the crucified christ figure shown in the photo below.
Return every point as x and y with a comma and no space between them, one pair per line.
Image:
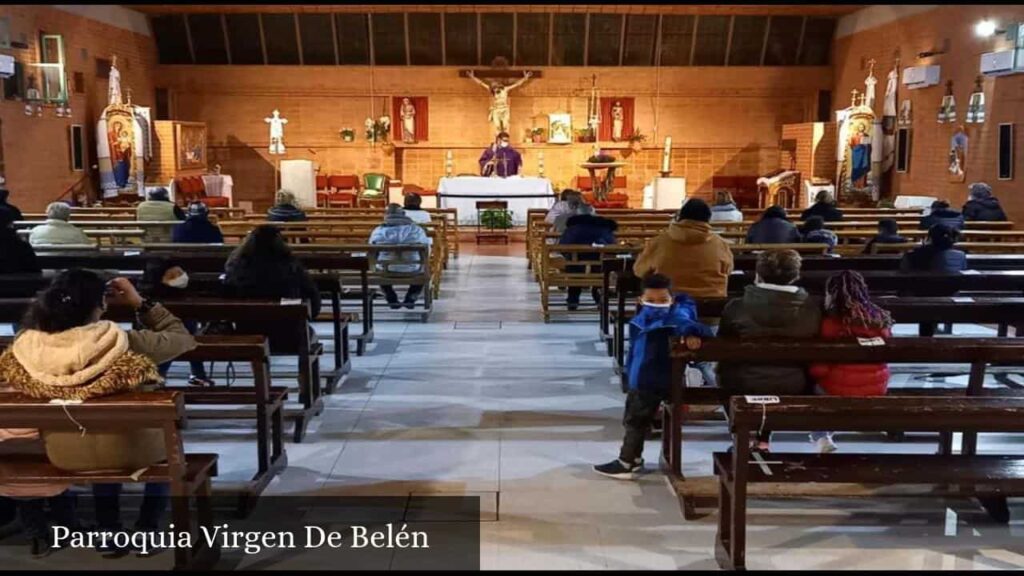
499,112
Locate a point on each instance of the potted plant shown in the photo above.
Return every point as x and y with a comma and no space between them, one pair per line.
538,135
636,141
348,135
496,219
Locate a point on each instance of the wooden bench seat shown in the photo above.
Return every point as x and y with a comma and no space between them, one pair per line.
990,478
188,475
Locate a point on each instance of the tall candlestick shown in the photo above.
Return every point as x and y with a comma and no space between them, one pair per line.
666,157
448,163
540,163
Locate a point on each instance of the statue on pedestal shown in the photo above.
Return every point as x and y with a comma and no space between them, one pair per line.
408,115
618,118
276,132
499,112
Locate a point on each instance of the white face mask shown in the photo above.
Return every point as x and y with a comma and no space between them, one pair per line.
179,281
503,144
656,304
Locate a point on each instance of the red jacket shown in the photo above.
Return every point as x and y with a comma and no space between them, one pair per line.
851,379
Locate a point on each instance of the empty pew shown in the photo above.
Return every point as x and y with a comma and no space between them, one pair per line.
990,478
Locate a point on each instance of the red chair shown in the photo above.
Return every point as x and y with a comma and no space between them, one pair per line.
193,189
342,190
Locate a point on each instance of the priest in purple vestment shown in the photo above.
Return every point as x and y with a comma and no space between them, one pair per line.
500,159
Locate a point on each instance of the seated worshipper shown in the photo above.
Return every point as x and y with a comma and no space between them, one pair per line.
263,266
584,228
941,213
814,232
500,159
888,233
8,210
197,228
16,255
397,228
982,205
67,352
772,308
661,319
563,205
824,206
774,227
572,208
285,208
725,209
850,313
937,253
414,209
56,229
165,279
158,208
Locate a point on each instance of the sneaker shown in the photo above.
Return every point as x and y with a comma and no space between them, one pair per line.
201,382
620,470
574,306
41,546
825,445
410,305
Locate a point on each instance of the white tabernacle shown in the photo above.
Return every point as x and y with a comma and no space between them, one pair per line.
521,193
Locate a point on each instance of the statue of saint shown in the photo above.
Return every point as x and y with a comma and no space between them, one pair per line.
618,118
276,132
408,114
114,84
499,113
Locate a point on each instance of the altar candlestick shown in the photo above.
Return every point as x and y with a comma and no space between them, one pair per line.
666,157
540,163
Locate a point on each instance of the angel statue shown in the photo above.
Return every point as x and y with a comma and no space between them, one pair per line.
499,112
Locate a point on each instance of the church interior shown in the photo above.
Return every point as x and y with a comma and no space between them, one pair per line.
457,257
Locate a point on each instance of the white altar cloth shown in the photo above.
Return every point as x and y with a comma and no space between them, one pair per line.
521,193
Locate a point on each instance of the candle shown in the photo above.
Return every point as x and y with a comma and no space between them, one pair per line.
666,158
540,163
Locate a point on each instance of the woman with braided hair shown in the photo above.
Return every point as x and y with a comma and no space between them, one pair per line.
849,313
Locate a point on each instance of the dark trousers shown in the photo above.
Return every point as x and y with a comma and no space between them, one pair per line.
391,296
641,408
197,369
575,291
32,512
107,499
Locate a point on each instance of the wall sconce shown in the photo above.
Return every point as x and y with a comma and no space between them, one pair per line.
987,29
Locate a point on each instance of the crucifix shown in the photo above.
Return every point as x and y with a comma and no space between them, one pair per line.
499,113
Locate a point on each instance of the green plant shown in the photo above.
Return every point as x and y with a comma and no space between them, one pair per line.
636,136
537,132
496,219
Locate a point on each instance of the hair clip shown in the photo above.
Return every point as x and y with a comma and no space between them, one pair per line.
66,299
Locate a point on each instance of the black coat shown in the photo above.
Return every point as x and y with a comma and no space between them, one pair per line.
883,239
773,231
985,210
271,279
285,213
828,212
949,217
16,255
197,230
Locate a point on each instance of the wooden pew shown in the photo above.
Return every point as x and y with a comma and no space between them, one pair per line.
213,260
990,478
188,474
978,352
268,400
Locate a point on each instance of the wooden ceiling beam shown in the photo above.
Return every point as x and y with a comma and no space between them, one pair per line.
834,10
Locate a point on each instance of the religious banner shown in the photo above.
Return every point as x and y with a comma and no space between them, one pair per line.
120,147
616,119
947,110
976,104
889,120
906,118
191,145
145,119
856,151
410,113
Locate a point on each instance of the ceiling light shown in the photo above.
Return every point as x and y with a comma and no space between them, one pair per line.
985,28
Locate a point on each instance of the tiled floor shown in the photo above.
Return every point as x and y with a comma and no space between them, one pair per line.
487,399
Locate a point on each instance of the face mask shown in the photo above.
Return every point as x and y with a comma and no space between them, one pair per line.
503,144
656,304
178,282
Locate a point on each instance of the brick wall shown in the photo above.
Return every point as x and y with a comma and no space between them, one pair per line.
815,149
36,150
724,121
1004,96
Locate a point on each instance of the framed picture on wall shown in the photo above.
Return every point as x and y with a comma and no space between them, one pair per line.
190,139
560,128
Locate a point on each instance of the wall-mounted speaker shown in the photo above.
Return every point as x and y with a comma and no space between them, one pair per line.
1006,152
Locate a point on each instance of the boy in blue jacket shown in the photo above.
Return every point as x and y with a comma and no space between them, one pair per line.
662,318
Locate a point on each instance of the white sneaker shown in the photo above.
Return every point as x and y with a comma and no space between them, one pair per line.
825,445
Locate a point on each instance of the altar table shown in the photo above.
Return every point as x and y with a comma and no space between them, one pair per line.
521,193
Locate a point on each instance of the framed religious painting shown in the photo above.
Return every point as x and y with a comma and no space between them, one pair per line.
560,128
190,149
956,170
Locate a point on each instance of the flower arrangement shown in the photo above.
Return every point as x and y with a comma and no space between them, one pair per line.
348,134
537,134
585,135
636,140
378,130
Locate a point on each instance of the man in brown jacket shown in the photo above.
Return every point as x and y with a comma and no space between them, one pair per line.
697,260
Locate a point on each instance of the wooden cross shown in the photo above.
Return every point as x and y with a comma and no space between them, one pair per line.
503,73
871,67
853,97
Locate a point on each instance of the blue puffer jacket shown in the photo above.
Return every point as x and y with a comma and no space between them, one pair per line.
399,230
648,363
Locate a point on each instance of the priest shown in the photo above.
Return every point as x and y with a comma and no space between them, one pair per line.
500,159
